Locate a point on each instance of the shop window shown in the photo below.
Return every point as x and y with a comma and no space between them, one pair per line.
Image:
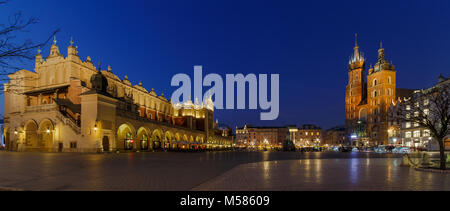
128,142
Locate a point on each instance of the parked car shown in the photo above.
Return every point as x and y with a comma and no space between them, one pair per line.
402,150
346,149
380,149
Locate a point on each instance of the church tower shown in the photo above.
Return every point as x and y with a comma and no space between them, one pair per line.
355,91
381,93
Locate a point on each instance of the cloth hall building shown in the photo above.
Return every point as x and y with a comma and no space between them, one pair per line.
69,105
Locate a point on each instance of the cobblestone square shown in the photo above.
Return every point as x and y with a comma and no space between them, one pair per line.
213,171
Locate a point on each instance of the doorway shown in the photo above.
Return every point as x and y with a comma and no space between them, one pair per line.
105,143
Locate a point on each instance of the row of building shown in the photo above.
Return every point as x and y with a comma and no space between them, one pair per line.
307,135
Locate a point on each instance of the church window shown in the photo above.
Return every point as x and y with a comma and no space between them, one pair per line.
374,82
389,80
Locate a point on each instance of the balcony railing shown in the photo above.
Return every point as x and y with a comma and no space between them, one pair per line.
41,108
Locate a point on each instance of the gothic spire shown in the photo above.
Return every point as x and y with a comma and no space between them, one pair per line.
357,56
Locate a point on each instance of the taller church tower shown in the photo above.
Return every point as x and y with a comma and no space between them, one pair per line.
355,91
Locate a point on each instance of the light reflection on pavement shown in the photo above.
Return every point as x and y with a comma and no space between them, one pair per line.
213,171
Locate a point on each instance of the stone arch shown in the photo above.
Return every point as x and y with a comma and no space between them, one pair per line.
210,142
197,139
142,138
363,114
45,134
125,137
170,138
177,137
31,134
156,139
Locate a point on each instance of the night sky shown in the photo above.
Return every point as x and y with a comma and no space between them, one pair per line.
307,43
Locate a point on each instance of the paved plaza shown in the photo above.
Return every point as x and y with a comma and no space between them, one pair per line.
213,171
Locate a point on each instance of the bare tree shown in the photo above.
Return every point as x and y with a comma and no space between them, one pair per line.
430,109
12,50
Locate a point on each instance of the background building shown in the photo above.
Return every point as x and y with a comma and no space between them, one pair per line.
264,137
335,136
411,134
308,136
260,137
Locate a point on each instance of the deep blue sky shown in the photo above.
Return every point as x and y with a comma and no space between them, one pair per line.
308,43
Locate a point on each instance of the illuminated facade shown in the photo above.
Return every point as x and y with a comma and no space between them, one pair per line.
309,136
411,134
260,137
335,136
367,98
67,104
274,137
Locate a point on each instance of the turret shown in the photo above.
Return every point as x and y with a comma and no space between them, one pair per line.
38,58
72,50
54,50
382,63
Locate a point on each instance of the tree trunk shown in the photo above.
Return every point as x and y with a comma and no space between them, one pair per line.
442,153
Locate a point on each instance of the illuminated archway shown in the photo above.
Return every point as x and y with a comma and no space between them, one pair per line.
143,138
125,137
31,135
168,137
156,139
45,139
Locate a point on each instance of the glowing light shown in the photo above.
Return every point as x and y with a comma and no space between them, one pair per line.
48,130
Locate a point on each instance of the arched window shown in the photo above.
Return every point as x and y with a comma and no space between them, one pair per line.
375,82
389,79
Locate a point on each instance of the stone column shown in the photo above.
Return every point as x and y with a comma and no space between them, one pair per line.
56,94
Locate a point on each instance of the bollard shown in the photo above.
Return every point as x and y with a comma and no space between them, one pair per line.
426,159
405,160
